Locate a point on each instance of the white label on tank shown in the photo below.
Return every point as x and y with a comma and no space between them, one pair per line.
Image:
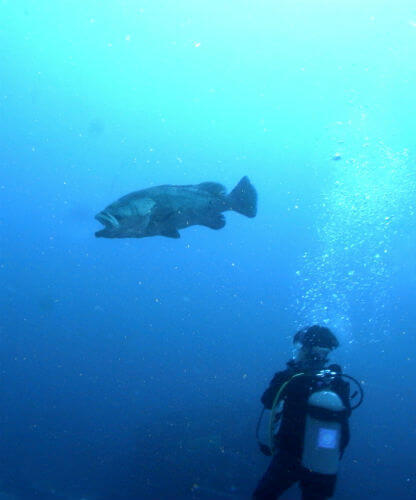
327,438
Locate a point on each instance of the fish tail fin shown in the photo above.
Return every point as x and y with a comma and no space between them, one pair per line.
243,198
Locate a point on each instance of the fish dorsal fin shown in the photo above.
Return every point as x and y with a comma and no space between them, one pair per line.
212,187
144,206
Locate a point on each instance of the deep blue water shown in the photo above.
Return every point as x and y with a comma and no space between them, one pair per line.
132,369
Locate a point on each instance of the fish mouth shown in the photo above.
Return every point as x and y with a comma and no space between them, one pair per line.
108,220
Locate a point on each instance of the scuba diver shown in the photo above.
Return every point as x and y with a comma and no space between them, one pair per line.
310,406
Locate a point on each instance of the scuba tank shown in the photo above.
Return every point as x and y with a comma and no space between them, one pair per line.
324,414
321,443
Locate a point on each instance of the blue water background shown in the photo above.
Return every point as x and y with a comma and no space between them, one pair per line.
133,368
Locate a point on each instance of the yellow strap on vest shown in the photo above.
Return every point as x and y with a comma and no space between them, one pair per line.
274,407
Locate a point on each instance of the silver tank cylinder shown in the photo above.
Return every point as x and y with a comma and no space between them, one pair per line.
321,446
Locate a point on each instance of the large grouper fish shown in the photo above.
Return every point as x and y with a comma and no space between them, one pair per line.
162,210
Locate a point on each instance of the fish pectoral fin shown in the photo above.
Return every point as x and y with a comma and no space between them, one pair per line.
213,221
170,233
163,216
166,216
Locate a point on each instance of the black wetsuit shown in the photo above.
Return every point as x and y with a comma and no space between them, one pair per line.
285,468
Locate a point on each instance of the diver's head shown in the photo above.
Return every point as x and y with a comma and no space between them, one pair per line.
312,346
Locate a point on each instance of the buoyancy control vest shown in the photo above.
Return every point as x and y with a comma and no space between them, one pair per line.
323,423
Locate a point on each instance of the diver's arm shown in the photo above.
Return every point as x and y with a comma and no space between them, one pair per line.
345,396
344,392
345,435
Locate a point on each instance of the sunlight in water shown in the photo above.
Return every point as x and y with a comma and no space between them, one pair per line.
366,211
